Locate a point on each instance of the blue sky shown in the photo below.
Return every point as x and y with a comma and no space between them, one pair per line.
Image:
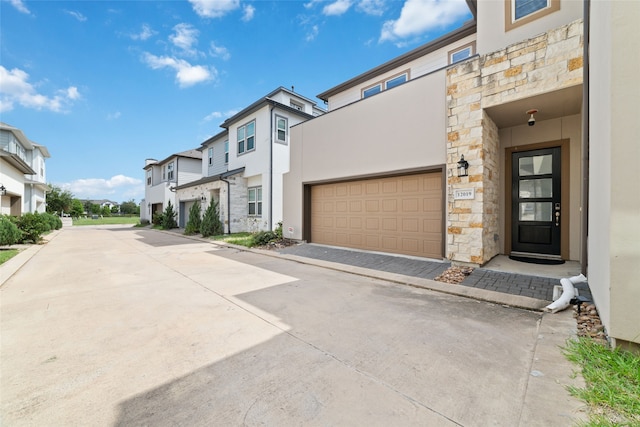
106,84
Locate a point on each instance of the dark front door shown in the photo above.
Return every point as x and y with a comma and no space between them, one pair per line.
535,210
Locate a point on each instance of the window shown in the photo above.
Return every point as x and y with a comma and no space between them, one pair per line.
255,201
210,152
462,53
295,105
170,172
226,152
281,129
247,137
389,83
149,177
520,12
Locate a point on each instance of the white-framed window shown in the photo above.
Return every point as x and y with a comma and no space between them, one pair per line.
170,172
282,129
296,105
520,12
164,172
226,152
255,201
149,177
210,155
462,53
247,137
389,83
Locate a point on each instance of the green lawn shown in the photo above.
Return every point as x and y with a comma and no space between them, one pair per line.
107,220
7,254
243,239
612,380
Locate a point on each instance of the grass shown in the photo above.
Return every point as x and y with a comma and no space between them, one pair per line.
612,380
107,220
243,239
7,254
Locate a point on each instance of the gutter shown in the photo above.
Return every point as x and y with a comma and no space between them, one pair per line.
585,141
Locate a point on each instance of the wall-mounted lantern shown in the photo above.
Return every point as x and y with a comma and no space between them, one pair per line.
203,199
463,167
3,190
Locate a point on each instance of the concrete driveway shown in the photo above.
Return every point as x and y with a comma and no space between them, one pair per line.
124,326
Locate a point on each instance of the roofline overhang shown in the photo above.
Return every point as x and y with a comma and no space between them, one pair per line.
212,178
17,162
467,29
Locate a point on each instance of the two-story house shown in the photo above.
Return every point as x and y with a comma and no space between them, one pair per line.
473,145
163,177
23,184
242,166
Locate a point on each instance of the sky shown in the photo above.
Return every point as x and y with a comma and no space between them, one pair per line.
105,85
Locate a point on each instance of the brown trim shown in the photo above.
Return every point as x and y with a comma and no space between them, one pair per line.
565,157
459,48
387,174
510,24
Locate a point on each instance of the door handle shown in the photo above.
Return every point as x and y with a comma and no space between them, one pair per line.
557,218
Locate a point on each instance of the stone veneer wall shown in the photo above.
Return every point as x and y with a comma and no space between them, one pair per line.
545,63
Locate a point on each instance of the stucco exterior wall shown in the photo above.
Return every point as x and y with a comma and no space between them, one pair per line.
614,207
374,136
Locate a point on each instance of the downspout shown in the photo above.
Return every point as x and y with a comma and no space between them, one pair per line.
585,140
271,166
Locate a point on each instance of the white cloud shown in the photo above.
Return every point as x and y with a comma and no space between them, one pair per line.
219,52
220,115
16,89
185,37
338,7
145,33
372,7
249,11
114,116
214,8
312,33
97,188
420,16
79,16
186,74
19,4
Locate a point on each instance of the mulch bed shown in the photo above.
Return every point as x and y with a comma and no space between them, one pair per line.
454,275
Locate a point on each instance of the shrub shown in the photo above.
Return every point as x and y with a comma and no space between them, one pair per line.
263,238
156,219
54,221
32,225
168,218
9,233
211,224
278,230
194,222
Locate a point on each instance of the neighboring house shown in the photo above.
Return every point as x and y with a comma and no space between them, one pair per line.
23,182
436,153
242,166
102,203
163,177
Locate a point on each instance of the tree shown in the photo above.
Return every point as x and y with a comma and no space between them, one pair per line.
169,218
58,200
130,208
95,209
194,222
105,211
77,208
114,209
211,224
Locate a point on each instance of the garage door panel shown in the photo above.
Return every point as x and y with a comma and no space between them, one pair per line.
401,214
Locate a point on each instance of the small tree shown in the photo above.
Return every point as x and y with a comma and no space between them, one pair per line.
211,224
77,208
194,222
105,211
169,218
58,200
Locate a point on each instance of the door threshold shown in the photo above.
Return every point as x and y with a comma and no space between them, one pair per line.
536,258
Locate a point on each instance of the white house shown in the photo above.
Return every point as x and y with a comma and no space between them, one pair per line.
23,182
477,144
242,166
163,177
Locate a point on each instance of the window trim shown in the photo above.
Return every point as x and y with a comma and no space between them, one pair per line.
296,105
245,138
257,202
511,23
470,45
286,130
149,177
170,174
210,155
226,152
382,84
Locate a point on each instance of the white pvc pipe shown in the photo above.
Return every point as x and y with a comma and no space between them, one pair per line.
568,293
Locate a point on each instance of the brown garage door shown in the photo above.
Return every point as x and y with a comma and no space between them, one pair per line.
400,214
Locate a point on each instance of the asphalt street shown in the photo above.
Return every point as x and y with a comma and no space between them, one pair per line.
123,326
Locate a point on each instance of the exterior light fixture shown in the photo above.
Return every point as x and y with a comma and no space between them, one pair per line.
532,120
203,199
463,167
3,190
